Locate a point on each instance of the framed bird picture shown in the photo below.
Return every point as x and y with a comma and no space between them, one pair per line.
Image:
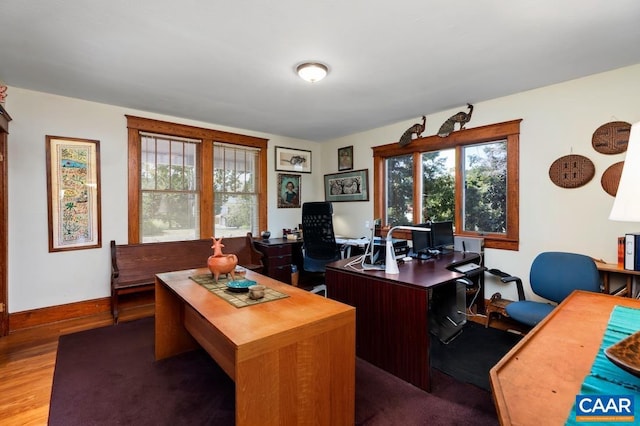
293,160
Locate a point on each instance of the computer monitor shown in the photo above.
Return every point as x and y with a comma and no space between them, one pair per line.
442,235
421,241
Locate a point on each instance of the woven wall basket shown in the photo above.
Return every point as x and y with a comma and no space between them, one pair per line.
611,178
611,138
571,171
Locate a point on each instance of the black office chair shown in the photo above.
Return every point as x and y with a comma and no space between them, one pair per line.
553,276
319,241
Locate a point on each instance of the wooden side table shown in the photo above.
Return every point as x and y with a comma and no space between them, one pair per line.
606,269
497,305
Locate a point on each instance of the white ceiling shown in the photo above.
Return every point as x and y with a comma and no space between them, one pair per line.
232,62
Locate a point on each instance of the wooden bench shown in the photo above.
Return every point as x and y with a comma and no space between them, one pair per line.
134,266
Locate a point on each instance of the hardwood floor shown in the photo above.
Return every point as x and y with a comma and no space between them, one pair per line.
28,356
27,361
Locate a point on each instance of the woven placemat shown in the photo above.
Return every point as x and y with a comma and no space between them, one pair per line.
239,300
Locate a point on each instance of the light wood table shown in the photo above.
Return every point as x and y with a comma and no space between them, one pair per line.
292,359
538,380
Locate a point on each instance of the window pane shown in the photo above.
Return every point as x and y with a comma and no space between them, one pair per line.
235,182
237,214
399,208
182,166
148,166
438,185
169,216
485,183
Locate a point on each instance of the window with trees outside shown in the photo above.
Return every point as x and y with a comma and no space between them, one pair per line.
470,177
188,182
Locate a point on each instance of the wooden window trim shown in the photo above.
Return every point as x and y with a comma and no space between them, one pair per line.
135,125
509,131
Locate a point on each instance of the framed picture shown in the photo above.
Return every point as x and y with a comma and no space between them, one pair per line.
73,193
345,158
347,186
289,191
293,160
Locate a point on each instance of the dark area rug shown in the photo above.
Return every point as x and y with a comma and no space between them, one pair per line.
108,376
470,356
383,399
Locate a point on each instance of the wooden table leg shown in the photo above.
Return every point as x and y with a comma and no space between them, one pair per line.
171,338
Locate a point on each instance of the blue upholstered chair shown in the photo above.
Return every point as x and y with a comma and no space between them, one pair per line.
319,241
553,276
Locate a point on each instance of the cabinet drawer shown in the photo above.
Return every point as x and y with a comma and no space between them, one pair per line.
281,273
276,261
279,250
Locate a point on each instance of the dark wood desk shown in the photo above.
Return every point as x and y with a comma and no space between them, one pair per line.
392,324
538,380
278,256
292,359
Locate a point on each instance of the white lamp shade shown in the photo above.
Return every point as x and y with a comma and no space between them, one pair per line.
626,206
312,72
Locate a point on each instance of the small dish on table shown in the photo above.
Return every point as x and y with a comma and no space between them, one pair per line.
240,286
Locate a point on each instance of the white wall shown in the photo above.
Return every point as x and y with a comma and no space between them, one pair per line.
557,120
38,278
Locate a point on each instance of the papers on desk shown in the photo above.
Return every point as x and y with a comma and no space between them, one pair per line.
467,267
357,242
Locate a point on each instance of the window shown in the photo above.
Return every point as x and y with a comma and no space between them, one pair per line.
400,190
438,186
470,177
188,182
236,190
169,185
484,206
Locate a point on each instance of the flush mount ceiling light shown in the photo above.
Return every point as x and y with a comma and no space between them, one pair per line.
312,71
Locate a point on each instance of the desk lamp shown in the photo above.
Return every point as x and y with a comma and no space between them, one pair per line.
626,206
390,264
